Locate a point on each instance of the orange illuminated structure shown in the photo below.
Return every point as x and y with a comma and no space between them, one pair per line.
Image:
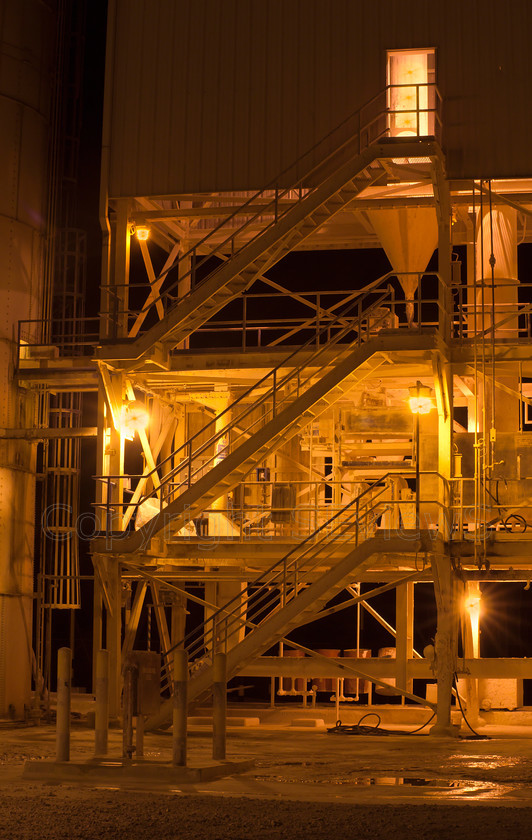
314,233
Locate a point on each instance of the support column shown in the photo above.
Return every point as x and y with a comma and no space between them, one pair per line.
116,295
470,642
443,213
101,724
180,705
404,625
444,643
64,679
113,640
219,706
185,281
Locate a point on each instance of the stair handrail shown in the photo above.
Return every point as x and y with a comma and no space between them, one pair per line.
299,185
308,546
273,596
277,384
289,581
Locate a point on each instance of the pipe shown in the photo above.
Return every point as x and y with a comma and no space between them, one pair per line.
48,434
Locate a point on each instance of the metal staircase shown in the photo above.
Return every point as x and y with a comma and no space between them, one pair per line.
250,261
277,407
289,593
259,238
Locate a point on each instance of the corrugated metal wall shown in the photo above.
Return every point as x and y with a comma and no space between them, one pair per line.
224,94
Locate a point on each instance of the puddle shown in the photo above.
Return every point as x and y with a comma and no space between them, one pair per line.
409,780
426,786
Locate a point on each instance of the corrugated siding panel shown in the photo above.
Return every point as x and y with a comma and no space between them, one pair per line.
211,95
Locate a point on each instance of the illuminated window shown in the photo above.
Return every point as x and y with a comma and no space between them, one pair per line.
411,92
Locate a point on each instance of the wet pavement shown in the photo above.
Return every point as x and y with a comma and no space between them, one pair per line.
299,764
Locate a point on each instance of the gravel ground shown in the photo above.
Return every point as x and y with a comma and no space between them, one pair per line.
304,785
69,814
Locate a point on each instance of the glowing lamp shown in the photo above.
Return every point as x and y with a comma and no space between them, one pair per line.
134,418
420,400
472,602
143,233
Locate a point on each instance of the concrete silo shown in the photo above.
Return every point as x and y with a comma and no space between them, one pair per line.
27,34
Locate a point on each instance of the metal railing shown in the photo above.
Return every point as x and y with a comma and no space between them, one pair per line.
58,338
350,526
492,311
282,581
271,394
373,122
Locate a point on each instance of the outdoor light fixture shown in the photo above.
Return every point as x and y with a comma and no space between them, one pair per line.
472,602
134,418
142,232
420,400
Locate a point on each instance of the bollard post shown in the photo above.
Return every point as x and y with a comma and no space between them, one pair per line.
128,712
64,678
101,723
180,702
219,706
139,737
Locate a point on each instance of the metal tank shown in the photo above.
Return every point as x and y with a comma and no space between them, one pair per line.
27,34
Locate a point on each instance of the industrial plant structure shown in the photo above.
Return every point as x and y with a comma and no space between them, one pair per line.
269,427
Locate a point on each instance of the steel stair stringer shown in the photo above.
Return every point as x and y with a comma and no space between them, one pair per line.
224,476
236,274
307,603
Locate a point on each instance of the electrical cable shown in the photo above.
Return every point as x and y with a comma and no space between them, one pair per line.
414,731
358,729
518,519
477,735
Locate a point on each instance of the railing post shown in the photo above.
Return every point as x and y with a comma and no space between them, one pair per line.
64,672
180,698
219,706
101,723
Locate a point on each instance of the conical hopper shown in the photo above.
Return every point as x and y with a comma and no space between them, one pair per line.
409,237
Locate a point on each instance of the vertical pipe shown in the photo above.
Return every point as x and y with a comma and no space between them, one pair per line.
64,670
219,707
102,703
179,731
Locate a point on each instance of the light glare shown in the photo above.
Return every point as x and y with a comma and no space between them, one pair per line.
134,418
